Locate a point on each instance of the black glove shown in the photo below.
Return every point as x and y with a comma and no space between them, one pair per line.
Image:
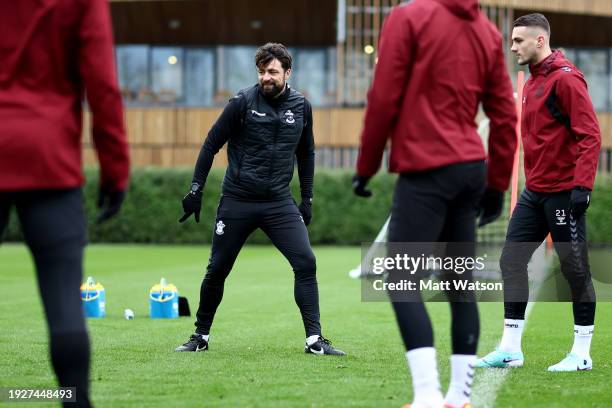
491,205
580,199
359,183
109,203
305,208
192,203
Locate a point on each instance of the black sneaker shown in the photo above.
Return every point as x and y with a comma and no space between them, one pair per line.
323,346
196,343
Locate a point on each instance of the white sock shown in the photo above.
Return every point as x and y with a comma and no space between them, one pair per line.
425,382
462,377
204,336
310,340
582,340
513,332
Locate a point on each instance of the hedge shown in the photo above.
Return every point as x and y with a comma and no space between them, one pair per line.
599,220
153,206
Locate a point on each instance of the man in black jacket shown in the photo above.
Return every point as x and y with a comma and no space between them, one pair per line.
267,127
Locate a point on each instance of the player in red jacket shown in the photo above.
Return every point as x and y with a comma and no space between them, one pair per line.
53,52
561,141
437,61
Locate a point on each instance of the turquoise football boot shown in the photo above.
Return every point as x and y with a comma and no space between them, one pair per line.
501,359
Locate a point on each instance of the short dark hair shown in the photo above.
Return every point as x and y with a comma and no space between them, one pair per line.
533,20
266,53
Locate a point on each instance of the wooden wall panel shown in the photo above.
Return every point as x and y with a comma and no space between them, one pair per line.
605,123
185,156
322,126
220,159
165,157
181,127
159,126
346,125
199,122
141,156
89,155
134,125
175,145
87,125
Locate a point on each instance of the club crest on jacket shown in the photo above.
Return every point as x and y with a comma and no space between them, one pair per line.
289,117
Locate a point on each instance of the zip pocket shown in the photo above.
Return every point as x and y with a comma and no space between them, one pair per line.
240,160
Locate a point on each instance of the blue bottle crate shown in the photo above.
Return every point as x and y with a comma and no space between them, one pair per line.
163,301
93,297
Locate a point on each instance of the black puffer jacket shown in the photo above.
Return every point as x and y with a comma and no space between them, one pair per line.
265,136
262,157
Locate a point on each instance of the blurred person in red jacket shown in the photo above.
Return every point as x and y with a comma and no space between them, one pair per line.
561,143
52,53
437,61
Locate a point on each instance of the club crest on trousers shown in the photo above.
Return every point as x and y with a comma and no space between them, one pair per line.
219,228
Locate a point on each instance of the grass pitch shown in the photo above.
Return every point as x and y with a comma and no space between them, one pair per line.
256,356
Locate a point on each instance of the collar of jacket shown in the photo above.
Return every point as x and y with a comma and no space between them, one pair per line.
552,62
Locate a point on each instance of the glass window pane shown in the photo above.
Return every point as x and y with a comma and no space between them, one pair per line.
167,78
570,54
309,74
132,70
332,86
199,77
238,69
594,65
359,73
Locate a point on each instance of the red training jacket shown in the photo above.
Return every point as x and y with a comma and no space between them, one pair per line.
437,61
560,132
51,52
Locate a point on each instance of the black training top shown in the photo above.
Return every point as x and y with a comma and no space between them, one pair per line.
265,137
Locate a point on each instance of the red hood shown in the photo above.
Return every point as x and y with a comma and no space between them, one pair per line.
553,62
466,9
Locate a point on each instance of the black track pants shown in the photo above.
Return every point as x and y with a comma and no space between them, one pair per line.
536,215
282,222
438,205
53,224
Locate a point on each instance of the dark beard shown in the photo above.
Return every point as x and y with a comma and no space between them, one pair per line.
274,91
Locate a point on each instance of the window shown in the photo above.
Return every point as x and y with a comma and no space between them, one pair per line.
570,54
237,69
309,74
199,77
314,74
193,76
332,80
132,70
167,74
610,81
594,66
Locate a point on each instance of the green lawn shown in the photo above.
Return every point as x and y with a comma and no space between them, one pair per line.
256,357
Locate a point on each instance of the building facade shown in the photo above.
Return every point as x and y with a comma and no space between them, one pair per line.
179,61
